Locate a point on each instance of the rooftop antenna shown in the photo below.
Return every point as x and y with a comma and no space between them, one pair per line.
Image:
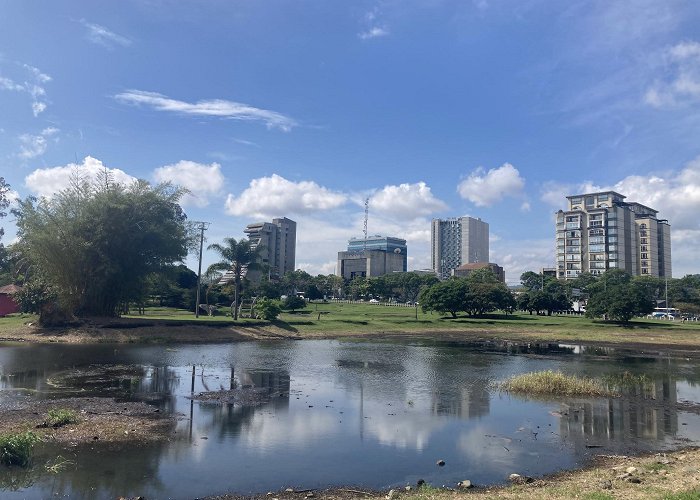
364,231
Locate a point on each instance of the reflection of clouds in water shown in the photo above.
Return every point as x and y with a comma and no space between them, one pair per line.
264,433
404,432
479,445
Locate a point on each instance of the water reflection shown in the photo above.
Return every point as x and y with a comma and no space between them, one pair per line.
372,414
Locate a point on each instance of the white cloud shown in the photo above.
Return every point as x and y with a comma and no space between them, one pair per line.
32,146
213,107
682,86
32,86
518,256
555,193
486,188
373,32
48,181
38,108
8,84
407,200
275,195
102,36
199,179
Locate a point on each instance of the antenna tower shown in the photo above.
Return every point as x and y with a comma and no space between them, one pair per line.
364,231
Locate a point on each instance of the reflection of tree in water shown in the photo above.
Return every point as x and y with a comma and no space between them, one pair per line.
157,387
101,470
645,415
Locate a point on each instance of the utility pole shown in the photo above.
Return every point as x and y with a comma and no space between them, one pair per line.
202,226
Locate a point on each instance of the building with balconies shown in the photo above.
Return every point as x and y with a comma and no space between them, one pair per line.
602,231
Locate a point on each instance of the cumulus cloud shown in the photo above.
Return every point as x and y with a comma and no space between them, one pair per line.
48,181
274,195
102,36
213,107
682,86
408,200
555,193
486,188
202,181
518,256
32,146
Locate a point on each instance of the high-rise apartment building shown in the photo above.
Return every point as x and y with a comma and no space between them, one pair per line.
457,241
278,239
601,231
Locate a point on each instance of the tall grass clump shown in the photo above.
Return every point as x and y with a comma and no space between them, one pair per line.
61,417
16,449
551,383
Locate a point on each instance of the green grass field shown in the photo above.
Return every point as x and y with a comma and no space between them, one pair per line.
350,320
336,319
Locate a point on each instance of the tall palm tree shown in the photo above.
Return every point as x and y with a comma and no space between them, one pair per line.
237,257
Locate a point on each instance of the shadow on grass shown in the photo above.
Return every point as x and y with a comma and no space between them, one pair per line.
353,321
283,325
488,319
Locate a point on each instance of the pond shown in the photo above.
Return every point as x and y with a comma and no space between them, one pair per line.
347,413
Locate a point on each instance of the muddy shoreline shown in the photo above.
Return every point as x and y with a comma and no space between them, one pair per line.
139,331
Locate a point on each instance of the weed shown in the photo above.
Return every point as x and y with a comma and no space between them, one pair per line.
16,449
61,417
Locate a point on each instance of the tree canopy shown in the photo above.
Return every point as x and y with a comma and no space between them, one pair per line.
95,243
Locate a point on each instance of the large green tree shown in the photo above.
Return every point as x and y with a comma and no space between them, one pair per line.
448,296
618,297
95,242
237,257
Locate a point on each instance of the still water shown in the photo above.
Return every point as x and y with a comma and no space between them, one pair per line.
365,414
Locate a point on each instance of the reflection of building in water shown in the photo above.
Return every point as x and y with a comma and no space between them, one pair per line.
471,401
646,411
275,382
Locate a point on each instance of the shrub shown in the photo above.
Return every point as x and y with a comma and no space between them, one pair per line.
267,309
16,449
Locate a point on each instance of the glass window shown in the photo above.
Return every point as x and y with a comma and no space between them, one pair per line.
602,197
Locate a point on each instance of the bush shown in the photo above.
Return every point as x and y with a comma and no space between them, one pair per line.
267,309
61,417
293,302
16,449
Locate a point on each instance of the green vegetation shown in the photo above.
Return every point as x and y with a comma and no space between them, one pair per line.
239,257
94,244
292,303
16,449
477,294
61,417
617,296
267,309
554,384
683,495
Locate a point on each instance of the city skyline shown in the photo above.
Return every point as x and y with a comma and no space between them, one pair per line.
305,110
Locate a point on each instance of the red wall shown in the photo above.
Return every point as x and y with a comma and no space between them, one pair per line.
7,305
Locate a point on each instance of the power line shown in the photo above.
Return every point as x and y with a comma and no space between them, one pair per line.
201,226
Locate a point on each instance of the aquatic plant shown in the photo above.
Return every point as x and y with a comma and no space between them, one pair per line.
61,417
16,449
553,383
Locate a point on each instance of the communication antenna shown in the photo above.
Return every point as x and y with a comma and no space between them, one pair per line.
364,231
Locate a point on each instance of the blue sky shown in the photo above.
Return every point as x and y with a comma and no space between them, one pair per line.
432,108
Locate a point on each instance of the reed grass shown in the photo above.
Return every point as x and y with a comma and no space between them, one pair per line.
553,383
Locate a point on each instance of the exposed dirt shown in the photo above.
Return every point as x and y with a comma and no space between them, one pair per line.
648,477
99,419
245,396
132,330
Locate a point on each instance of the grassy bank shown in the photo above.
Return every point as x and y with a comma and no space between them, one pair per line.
334,320
554,383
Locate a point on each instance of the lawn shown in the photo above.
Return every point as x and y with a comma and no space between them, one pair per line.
323,320
339,319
